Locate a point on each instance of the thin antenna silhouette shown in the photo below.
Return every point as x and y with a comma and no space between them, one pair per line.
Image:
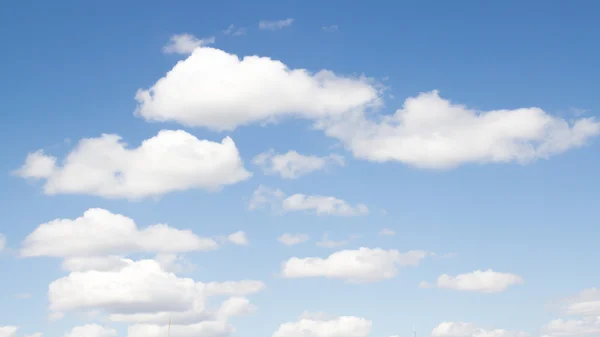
414,331
169,331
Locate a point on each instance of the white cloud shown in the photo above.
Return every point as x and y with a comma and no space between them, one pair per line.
99,232
91,330
292,239
345,326
238,238
8,331
328,243
36,334
170,161
98,263
588,326
320,205
487,281
186,43
202,329
143,292
330,29
217,90
461,329
387,232
586,303
275,24
234,31
362,265
2,242
292,165
431,132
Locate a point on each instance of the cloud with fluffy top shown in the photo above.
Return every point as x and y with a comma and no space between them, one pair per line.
91,330
99,232
344,326
462,329
216,90
185,44
292,165
320,205
363,265
170,161
487,281
153,294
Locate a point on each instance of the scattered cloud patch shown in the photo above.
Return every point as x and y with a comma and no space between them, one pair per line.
586,303
239,238
326,242
185,44
387,232
275,24
292,239
91,330
330,29
170,161
461,329
488,281
232,30
587,326
363,265
345,326
319,205
2,242
8,331
292,165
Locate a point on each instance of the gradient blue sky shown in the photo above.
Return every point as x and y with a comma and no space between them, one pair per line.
71,70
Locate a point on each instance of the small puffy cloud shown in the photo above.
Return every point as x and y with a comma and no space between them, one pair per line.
170,161
275,24
36,334
91,330
387,232
186,43
330,29
326,242
234,31
238,238
202,329
2,242
217,90
587,326
487,281
292,165
100,232
432,133
292,239
320,205
362,265
586,303
461,329
345,326
8,331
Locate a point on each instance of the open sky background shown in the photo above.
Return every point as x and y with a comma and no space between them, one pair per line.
71,70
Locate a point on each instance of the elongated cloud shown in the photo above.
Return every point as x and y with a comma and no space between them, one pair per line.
170,161
487,281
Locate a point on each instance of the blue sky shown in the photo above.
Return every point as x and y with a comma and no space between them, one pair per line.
498,170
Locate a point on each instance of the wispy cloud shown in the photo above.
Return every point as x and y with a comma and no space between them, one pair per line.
330,29
185,44
275,25
232,30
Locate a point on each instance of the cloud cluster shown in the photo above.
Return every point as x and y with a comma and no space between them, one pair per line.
170,161
292,165
586,305
344,326
186,43
487,281
320,205
461,329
